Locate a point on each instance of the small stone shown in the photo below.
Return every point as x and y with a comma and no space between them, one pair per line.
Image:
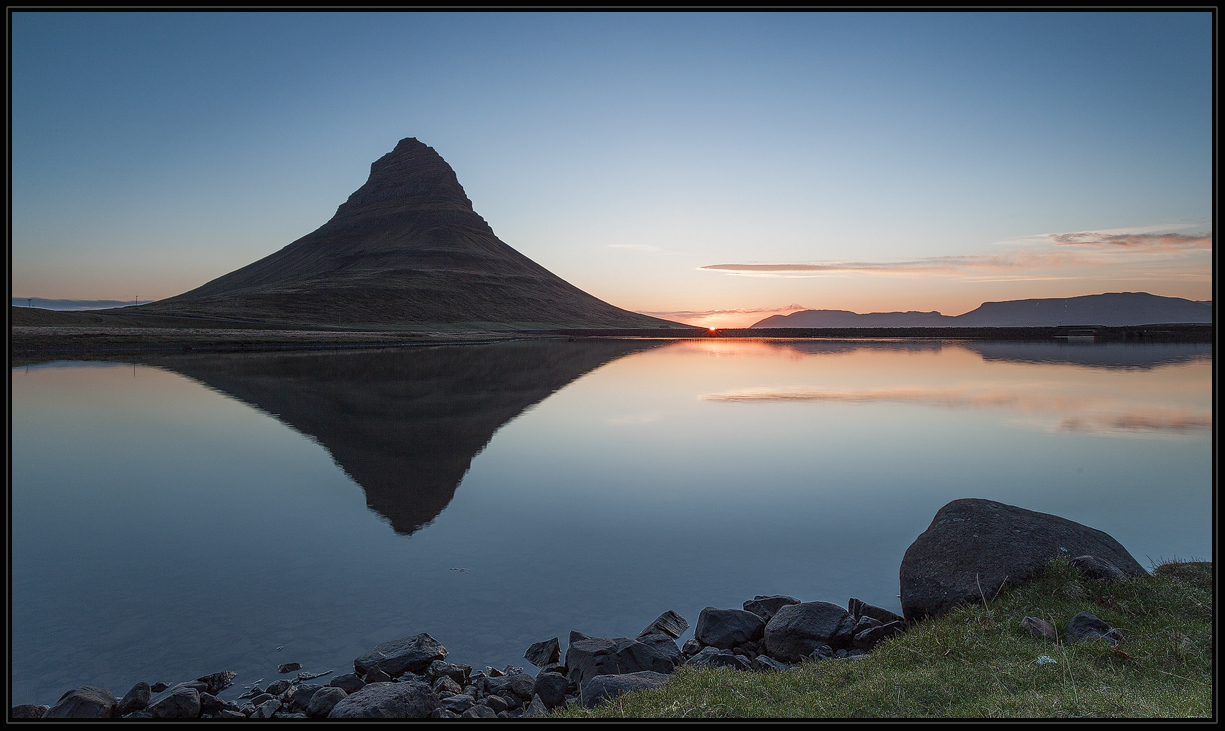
669,623
324,700
535,709
479,711
497,703
348,682
289,667
158,687
277,687
1085,626
1097,568
215,682
1039,628
691,647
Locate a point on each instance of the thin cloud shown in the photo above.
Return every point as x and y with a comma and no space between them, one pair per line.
1135,242
1035,255
926,265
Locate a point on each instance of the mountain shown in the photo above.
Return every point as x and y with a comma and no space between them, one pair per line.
405,250
1117,309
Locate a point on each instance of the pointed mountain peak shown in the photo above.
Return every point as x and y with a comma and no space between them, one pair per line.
412,174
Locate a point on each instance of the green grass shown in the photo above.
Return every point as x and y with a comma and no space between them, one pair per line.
976,662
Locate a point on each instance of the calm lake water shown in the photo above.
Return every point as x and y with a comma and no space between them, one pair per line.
187,514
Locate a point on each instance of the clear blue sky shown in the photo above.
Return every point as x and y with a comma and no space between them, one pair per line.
861,161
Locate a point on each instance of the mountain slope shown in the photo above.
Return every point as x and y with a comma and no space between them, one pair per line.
405,250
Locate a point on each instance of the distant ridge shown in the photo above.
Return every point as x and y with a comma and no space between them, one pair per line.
405,250
1117,309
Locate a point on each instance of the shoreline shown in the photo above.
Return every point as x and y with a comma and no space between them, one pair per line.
85,338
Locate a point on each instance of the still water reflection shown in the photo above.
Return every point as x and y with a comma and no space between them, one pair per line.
188,514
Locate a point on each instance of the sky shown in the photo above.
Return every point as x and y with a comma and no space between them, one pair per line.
711,168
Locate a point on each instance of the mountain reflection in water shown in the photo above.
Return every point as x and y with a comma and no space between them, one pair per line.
404,424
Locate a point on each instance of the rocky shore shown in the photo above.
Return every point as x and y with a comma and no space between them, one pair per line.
972,549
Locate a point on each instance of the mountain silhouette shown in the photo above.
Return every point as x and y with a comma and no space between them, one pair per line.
404,423
406,250
1115,309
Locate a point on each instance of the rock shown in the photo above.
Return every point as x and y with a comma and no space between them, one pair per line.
765,663
479,711
409,654
289,667
457,703
600,688
766,606
1040,629
821,652
1097,568
726,628
587,657
691,647
278,687
715,657
139,714
324,700
158,687
267,709
215,682
669,623
406,699
1085,626
210,703
864,623
858,609
797,629
551,689
348,682
543,653
27,710
974,547
496,703
520,685
447,684
459,673
261,699
300,699
181,701
85,702
136,699
872,636
664,645
535,709
376,675
443,713
228,713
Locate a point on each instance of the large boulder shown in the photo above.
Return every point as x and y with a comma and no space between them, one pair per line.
407,699
181,701
728,628
974,547
85,702
600,688
587,657
796,630
405,655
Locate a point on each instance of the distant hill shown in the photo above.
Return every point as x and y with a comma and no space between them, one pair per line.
1118,309
405,250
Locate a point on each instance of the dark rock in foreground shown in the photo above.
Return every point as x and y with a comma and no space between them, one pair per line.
409,654
84,702
974,547
408,699
601,688
798,629
587,657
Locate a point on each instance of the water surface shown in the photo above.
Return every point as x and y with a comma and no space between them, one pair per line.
188,514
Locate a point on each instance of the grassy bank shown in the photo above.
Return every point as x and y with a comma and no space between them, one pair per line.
977,662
